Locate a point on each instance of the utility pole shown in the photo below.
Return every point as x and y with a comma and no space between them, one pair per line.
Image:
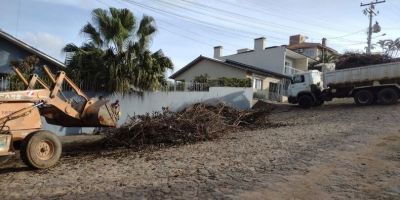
371,13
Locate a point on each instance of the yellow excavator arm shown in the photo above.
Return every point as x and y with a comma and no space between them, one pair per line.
73,110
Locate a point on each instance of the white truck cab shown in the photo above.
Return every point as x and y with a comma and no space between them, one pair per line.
305,83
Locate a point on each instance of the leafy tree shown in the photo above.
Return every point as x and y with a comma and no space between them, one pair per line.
117,53
389,47
26,66
328,58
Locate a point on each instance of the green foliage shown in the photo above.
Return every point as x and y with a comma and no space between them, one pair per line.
328,58
325,58
259,95
234,82
389,47
117,53
26,67
201,79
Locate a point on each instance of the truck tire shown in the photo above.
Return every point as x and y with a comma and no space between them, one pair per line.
364,98
319,102
306,101
388,96
41,149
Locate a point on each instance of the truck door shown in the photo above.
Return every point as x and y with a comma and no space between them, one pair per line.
297,85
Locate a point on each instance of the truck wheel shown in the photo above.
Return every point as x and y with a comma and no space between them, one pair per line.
318,102
364,98
41,149
388,96
306,101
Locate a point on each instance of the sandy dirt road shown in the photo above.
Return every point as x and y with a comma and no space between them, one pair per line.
337,151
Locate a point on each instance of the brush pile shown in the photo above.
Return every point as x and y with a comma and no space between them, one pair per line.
352,60
198,122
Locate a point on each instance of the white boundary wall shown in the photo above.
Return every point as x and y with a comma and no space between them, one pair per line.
154,101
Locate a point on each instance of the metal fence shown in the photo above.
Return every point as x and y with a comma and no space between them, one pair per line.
12,84
291,71
188,86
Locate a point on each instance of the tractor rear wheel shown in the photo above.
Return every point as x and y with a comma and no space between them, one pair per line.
41,149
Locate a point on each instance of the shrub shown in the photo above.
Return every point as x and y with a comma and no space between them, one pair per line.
235,82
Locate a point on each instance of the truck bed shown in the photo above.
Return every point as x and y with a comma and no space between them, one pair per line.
367,74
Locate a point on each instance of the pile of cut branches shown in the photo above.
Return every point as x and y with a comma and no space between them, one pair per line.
198,122
352,60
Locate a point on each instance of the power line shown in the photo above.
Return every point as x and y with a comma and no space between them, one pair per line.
222,29
206,7
196,33
263,11
248,23
252,20
200,11
176,33
348,34
210,27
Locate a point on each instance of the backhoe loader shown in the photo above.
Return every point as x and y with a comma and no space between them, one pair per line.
21,111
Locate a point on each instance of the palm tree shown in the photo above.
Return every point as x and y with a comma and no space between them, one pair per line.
390,47
117,52
328,58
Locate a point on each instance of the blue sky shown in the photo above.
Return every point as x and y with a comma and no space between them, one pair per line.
189,28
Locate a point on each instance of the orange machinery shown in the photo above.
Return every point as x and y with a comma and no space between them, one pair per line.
21,111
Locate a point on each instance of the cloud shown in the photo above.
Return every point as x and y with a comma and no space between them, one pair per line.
46,42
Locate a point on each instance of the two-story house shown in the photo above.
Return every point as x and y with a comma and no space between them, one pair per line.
270,68
317,51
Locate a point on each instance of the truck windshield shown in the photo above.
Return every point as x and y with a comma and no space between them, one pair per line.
298,79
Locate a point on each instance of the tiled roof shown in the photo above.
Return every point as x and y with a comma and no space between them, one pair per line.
305,45
229,63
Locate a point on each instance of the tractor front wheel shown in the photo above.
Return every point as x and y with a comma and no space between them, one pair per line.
41,149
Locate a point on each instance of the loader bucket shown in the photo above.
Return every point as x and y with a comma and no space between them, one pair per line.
96,114
100,114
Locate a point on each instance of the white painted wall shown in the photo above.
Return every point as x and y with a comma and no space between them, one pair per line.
154,101
271,59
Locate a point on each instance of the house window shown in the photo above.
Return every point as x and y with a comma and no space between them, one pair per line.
257,84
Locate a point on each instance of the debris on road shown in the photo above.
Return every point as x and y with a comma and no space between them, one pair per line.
198,122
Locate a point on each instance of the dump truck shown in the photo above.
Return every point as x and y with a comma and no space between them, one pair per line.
21,112
367,85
